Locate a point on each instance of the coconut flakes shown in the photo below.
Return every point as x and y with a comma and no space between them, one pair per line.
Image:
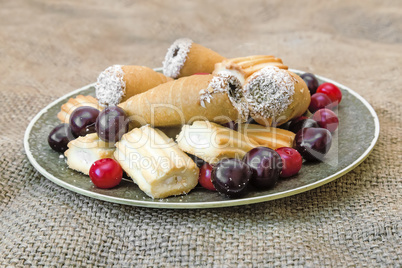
110,86
225,82
269,92
176,57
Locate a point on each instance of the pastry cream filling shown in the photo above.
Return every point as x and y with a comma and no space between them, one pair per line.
86,157
269,92
176,57
110,86
198,140
81,159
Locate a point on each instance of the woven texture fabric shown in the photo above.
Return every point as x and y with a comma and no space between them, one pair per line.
49,48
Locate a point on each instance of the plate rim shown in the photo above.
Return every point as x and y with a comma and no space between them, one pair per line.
200,205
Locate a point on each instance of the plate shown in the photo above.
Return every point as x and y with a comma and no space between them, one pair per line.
353,141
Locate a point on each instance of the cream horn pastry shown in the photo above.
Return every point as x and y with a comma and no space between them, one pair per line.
84,151
276,96
73,103
270,137
155,163
243,67
184,58
212,142
216,98
118,83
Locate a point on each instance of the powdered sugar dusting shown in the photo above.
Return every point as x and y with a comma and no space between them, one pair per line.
225,82
176,57
269,92
110,86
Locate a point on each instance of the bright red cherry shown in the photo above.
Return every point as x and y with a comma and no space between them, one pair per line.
331,91
205,177
106,173
326,119
319,101
291,160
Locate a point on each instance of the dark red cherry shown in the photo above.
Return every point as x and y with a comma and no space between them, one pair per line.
266,165
112,124
313,143
311,82
319,101
302,122
326,119
231,177
82,120
59,137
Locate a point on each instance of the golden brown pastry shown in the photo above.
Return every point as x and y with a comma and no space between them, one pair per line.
268,136
184,58
275,96
84,151
243,67
212,142
118,83
198,97
155,163
73,103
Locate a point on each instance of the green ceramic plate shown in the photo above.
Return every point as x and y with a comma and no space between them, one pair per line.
357,134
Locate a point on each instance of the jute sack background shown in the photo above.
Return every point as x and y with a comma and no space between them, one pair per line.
49,48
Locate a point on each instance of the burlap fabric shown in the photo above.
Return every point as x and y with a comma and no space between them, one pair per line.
49,48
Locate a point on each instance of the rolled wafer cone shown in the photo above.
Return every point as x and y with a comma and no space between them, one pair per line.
276,96
267,136
73,103
155,163
184,58
198,97
243,67
212,142
118,83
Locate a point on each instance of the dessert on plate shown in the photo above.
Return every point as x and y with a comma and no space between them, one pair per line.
225,113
